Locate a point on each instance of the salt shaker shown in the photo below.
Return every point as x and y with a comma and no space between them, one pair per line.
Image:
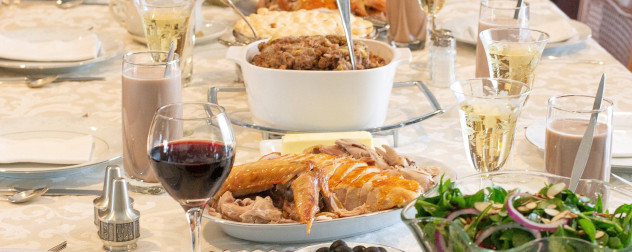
442,61
119,226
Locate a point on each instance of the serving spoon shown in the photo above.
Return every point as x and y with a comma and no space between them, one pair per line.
344,6
24,196
243,38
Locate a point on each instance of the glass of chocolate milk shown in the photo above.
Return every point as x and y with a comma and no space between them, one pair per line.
497,14
566,121
149,81
407,24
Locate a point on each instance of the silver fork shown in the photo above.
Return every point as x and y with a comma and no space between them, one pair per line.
59,247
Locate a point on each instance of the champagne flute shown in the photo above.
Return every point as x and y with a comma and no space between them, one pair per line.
432,7
513,53
489,110
167,21
192,150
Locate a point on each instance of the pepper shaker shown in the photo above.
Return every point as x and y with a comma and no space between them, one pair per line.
101,203
119,226
442,61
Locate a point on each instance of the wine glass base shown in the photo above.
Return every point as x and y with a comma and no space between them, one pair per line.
127,247
414,45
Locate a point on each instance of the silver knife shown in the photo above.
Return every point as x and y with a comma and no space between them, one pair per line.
57,191
59,79
584,146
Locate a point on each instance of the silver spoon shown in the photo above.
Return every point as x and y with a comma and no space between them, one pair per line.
344,6
254,33
25,196
67,4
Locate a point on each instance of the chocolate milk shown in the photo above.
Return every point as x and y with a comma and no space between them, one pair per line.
144,91
407,21
562,142
482,68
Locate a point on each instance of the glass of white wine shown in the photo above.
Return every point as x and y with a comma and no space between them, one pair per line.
432,7
513,53
489,109
165,21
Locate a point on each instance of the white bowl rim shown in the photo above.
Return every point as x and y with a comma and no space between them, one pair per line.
394,61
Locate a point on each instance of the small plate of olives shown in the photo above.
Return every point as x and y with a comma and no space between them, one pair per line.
342,246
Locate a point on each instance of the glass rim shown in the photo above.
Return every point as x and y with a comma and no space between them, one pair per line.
145,3
486,4
541,39
525,93
221,109
602,109
127,58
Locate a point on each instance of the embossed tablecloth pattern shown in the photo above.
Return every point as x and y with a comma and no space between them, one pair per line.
50,220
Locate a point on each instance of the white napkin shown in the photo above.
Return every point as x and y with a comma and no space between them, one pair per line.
80,48
49,151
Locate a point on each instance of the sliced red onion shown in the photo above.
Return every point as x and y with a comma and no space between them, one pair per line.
518,217
487,232
439,242
463,211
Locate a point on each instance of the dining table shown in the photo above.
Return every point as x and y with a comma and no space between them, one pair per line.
571,68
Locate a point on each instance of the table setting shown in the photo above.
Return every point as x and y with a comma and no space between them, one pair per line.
166,123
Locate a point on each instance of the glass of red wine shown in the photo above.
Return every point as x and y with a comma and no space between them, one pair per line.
192,150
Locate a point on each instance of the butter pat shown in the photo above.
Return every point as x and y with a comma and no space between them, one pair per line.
296,143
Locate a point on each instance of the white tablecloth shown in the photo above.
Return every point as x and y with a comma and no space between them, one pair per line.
49,220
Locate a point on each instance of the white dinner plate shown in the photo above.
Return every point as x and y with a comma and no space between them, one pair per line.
621,137
208,32
110,47
315,247
467,33
106,137
322,230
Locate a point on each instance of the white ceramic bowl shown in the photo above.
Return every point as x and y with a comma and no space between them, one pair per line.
320,100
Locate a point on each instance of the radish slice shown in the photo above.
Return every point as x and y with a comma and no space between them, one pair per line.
458,213
487,232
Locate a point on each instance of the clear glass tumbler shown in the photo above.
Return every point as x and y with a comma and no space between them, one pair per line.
149,81
566,121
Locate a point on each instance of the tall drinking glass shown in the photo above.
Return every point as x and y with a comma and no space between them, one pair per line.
488,110
567,118
513,53
149,82
165,21
192,149
497,14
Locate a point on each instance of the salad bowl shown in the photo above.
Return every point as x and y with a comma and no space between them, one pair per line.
450,234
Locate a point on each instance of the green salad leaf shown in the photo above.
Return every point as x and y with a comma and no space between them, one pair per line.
551,212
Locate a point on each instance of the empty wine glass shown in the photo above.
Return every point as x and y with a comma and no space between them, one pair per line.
192,150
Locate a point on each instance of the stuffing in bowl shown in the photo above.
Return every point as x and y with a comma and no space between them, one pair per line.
335,99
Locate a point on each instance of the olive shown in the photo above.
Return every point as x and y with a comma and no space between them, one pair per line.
323,249
359,248
338,243
382,249
343,249
372,249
